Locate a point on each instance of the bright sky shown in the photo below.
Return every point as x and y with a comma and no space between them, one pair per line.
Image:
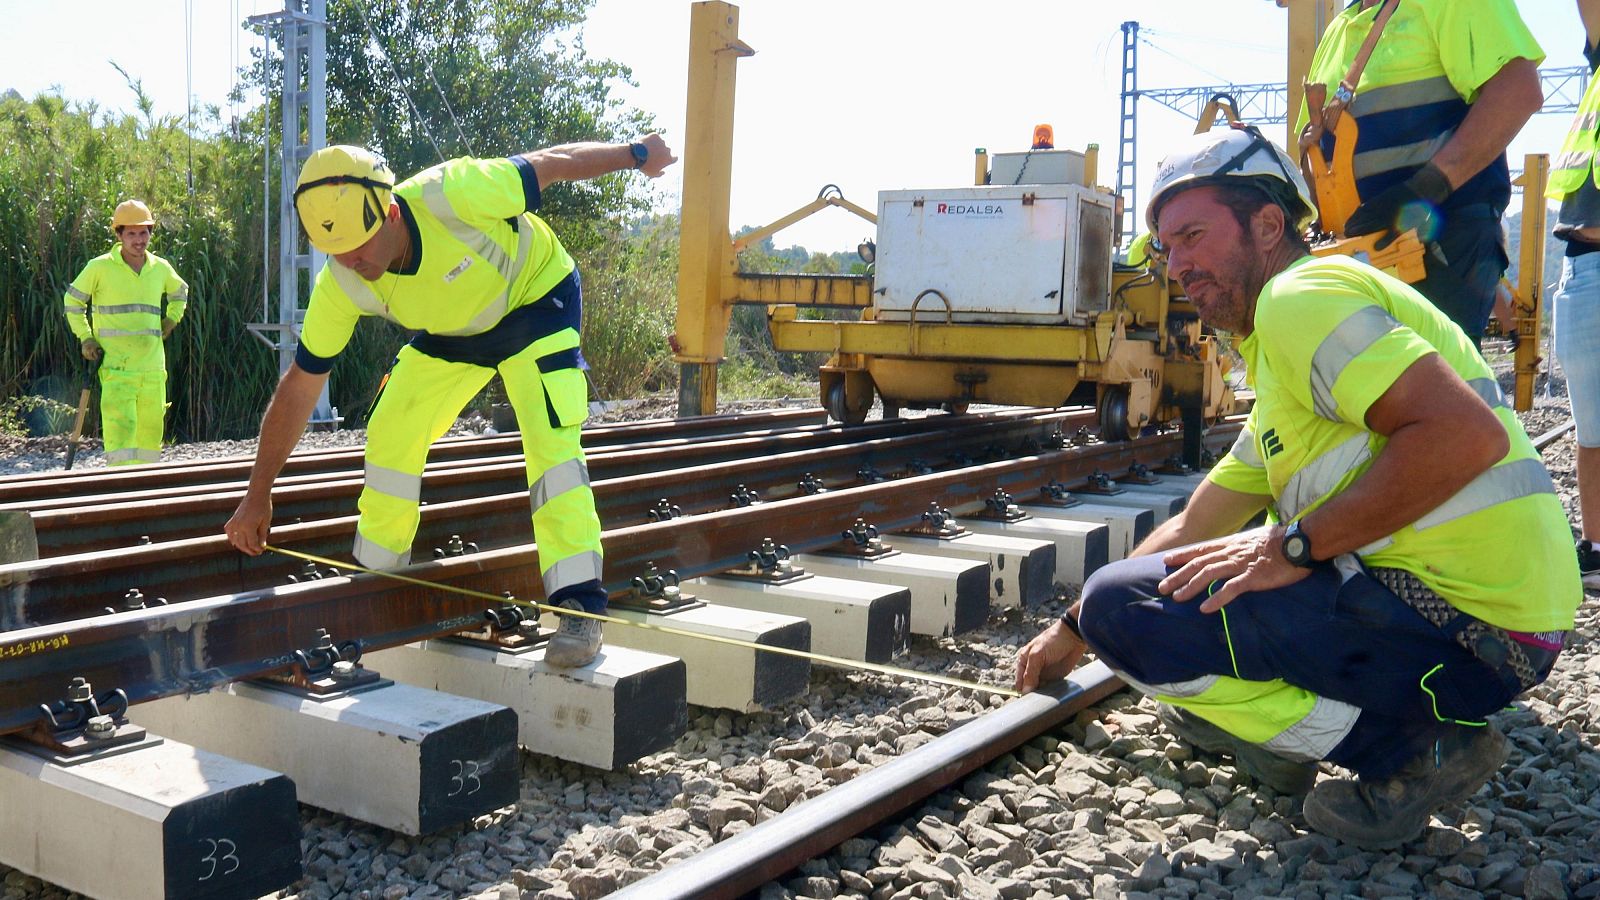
868,94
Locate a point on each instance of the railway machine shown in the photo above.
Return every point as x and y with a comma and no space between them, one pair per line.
1002,292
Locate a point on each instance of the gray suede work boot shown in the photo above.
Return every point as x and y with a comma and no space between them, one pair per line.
576,640
1388,812
1286,776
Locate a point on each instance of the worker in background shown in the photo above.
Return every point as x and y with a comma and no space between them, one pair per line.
114,308
1449,84
1576,303
1382,614
456,253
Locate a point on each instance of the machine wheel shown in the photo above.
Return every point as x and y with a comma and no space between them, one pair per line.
1114,413
838,409
955,407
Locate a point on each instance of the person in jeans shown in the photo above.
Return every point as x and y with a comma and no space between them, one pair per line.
1576,303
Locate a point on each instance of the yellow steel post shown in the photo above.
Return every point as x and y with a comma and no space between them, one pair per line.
1307,20
1091,165
1530,278
980,166
704,251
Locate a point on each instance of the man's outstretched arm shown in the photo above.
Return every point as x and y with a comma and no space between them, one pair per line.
591,159
281,428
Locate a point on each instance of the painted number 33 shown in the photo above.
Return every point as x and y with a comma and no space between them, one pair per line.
220,858
465,781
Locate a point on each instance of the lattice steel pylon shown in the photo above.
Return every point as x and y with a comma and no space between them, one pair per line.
1128,138
301,28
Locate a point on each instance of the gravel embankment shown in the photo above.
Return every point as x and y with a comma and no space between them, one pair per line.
1109,806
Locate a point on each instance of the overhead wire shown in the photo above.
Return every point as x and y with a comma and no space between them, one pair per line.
389,60
188,92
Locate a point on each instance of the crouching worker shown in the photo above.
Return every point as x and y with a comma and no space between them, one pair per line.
456,253
1384,613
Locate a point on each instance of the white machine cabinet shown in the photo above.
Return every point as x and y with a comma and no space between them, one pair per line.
1038,253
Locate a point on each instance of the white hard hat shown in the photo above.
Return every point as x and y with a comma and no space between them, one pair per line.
1237,152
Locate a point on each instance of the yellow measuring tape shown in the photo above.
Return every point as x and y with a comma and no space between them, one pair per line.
892,671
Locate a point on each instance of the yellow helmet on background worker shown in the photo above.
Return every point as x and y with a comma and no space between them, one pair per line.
342,197
131,212
1237,152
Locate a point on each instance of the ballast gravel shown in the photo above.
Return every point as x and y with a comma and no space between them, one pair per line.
1108,806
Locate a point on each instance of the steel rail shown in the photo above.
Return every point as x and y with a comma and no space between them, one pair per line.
68,587
18,489
1554,434
744,862
198,645
723,445
122,522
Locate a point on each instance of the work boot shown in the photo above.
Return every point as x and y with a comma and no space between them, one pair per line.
576,640
1284,775
1385,813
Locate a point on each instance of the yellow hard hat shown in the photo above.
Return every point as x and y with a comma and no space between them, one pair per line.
131,212
342,197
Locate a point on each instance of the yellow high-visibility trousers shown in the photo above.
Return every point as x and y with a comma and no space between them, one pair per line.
133,398
418,405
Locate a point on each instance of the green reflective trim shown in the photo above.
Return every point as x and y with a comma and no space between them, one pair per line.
1423,683
1227,633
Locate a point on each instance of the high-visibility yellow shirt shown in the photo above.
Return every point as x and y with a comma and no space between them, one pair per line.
126,303
476,254
1331,336
1429,64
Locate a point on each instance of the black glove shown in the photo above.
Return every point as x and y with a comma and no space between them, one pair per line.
1410,204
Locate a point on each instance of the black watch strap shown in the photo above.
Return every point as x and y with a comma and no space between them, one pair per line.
1071,622
641,154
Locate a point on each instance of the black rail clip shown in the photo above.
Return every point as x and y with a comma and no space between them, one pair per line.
861,541
664,511
135,599
656,591
1057,494
1172,465
769,564
1138,473
1099,483
326,669
455,547
310,572
744,496
998,507
811,485
937,522
82,726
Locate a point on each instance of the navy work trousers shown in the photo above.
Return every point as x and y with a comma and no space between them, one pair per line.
1346,639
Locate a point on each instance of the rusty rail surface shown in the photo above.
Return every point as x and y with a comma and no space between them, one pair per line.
200,644
20,489
56,589
122,521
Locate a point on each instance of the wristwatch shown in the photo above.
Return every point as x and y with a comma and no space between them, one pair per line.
641,154
1297,546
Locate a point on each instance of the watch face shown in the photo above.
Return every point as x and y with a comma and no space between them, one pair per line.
1294,547
641,155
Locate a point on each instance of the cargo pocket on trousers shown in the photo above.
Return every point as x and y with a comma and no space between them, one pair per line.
566,396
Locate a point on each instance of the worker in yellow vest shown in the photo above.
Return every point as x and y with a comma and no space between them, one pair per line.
114,308
456,254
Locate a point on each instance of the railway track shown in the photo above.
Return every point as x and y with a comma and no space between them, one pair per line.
183,614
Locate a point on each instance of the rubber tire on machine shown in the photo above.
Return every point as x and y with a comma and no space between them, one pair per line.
1114,413
838,409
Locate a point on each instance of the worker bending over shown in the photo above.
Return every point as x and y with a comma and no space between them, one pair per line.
1448,85
456,253
1382,613
123,291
